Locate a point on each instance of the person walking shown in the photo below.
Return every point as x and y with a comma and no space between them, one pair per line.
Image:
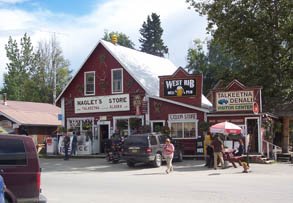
218,148
66,144
168,153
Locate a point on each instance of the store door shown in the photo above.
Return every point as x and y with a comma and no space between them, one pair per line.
104,135
252,128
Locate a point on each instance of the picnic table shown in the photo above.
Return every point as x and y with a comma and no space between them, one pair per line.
229,156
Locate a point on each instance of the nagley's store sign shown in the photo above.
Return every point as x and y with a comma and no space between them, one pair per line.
102,104
234,101
180,87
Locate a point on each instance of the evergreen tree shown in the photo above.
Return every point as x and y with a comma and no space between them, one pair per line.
122,38
151,40
21,61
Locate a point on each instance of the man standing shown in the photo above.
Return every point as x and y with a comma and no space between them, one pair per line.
168,152
218,147
74,144
66,144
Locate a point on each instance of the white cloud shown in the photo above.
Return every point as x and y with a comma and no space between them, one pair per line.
11,1
79,35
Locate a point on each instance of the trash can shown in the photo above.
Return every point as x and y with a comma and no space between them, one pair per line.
2,188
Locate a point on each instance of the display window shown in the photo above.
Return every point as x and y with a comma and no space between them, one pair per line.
183,129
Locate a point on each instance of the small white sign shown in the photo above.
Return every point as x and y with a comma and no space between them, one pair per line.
182,117
102,104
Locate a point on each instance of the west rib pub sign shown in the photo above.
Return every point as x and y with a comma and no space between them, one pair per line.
180,87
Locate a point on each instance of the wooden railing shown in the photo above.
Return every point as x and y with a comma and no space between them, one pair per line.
271,150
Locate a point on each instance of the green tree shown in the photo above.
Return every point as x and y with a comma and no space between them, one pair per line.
30,75
215,64
53,69
259,34
122,38
151,40
21,62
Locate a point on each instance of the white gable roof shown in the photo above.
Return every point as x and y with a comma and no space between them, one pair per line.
144,68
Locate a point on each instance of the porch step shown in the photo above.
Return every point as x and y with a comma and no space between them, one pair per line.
284,157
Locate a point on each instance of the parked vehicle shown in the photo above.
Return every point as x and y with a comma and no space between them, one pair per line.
146,148
20,169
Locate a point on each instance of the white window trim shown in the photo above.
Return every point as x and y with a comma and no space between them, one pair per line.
115,118
85,73
112,86
156,121
185,121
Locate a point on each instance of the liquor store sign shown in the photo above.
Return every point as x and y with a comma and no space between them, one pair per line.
180,87
102,104
234,101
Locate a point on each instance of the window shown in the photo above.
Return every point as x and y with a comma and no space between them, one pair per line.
189,129
176,130
183,130
12,152
153,140
89,83
117,80
157,126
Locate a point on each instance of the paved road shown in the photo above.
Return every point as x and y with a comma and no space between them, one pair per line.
95,180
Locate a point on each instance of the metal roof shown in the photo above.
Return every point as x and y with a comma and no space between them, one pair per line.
30,113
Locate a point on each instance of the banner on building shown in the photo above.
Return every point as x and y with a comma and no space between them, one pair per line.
234,101
180,87
102,104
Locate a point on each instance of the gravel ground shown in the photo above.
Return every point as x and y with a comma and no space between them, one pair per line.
95,180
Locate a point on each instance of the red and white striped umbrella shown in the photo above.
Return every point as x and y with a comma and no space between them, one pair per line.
225,128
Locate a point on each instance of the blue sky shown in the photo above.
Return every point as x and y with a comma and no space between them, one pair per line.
73,7
80,24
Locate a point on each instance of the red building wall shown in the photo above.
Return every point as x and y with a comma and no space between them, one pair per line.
159,110
101,61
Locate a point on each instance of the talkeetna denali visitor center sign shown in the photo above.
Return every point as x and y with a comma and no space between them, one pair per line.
180,87
234,101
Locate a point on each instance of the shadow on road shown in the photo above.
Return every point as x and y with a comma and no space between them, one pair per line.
101,165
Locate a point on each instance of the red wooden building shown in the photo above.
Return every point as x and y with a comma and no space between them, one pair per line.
120,88
241,105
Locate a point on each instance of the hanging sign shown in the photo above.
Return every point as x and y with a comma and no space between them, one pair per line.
180,87
255,108
102,104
